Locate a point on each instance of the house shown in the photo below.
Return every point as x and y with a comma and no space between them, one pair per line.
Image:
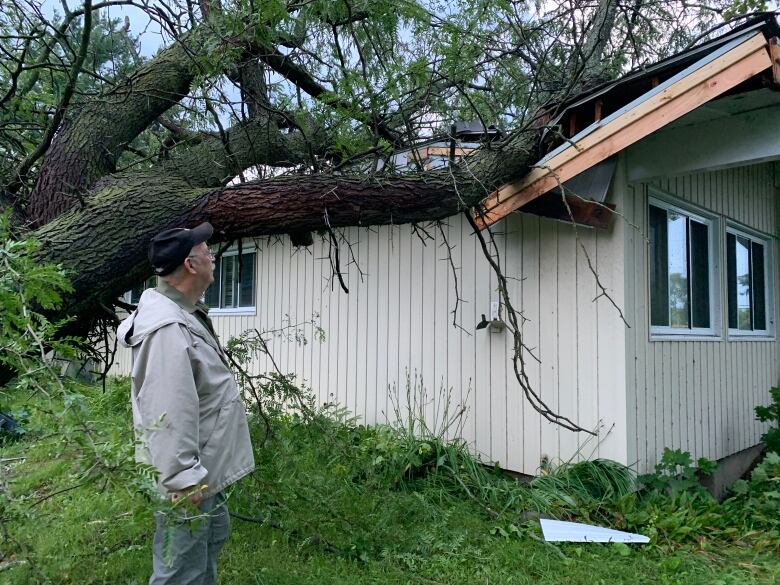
655,328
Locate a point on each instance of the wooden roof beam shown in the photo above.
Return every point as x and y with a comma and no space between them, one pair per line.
624,128
774,53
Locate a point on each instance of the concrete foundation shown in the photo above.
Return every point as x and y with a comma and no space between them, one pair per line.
730,469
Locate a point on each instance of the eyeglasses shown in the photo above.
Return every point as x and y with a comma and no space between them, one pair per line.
209,255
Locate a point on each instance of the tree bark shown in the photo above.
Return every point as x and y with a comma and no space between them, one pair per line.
103,242
90,141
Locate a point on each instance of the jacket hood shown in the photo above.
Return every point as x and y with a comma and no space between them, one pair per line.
154,311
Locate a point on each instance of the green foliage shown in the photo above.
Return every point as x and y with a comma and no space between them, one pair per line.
27,290
771,414
329,514
676,473
27,36
674,508
760,498
271,393
63,490
75,435
740,7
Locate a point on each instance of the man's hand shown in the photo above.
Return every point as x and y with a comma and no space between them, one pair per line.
194,494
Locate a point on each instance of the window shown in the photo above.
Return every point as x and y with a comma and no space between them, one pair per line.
681,271
746,262
234,282
134,294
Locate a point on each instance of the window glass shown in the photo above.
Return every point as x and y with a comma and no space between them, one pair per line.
234,282
679,307
744,321
746,267
211,298
659,268
680,270
246,295
759,287
228,284
700,274
135,292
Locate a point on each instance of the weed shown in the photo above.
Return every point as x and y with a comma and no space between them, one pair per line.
771,414
676,473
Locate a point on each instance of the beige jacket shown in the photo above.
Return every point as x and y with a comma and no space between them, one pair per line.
189,417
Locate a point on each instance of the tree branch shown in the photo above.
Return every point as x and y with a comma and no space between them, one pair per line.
20,175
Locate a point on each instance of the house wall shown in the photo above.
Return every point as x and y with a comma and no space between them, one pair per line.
396,324
697,395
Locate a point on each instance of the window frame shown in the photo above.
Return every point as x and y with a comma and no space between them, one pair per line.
247,310
739,230
128,296
714,332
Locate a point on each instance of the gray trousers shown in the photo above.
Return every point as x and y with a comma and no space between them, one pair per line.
186,545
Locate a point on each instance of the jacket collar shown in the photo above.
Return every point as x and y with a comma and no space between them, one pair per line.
178,297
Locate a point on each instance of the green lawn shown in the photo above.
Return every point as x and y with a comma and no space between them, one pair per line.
338,511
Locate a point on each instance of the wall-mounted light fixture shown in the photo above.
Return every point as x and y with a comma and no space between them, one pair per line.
495,324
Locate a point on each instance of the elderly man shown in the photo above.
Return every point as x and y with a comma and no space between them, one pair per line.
187,410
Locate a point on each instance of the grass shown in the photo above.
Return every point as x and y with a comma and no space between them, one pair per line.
341,504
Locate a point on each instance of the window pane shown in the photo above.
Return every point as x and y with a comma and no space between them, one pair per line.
228,284
247,280
759,290
211,298
678,270
700,275
731,268
135,294
659,268
744,318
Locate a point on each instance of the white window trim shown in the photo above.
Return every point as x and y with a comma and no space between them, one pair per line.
669,202
250,309
233,311
767,334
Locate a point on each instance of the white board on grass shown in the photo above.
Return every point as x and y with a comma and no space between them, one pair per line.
559,531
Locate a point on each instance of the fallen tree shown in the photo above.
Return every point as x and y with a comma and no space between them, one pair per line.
328,91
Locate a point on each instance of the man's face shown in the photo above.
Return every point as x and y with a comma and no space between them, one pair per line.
202,262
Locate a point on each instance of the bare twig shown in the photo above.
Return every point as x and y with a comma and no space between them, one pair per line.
518,361
333,254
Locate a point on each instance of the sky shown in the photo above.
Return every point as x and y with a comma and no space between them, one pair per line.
150,34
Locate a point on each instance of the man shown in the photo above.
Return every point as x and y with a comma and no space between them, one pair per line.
188,413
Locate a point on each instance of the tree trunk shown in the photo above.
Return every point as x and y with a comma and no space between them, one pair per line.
90,140
104,242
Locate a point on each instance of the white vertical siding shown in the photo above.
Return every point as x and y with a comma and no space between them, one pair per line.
396,324
697,395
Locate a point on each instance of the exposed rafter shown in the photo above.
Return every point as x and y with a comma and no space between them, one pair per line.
706,79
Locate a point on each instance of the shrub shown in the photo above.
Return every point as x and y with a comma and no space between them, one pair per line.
676,473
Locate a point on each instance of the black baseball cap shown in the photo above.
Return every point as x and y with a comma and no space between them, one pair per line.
169,248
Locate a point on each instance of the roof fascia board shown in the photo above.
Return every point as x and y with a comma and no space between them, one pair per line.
702,82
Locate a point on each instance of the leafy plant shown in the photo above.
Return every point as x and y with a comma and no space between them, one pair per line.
676,473
771,414
271,393
754,508
27,290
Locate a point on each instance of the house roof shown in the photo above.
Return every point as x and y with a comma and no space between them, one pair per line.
666,91
668,66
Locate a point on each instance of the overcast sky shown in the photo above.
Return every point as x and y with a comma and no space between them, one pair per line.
149,32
